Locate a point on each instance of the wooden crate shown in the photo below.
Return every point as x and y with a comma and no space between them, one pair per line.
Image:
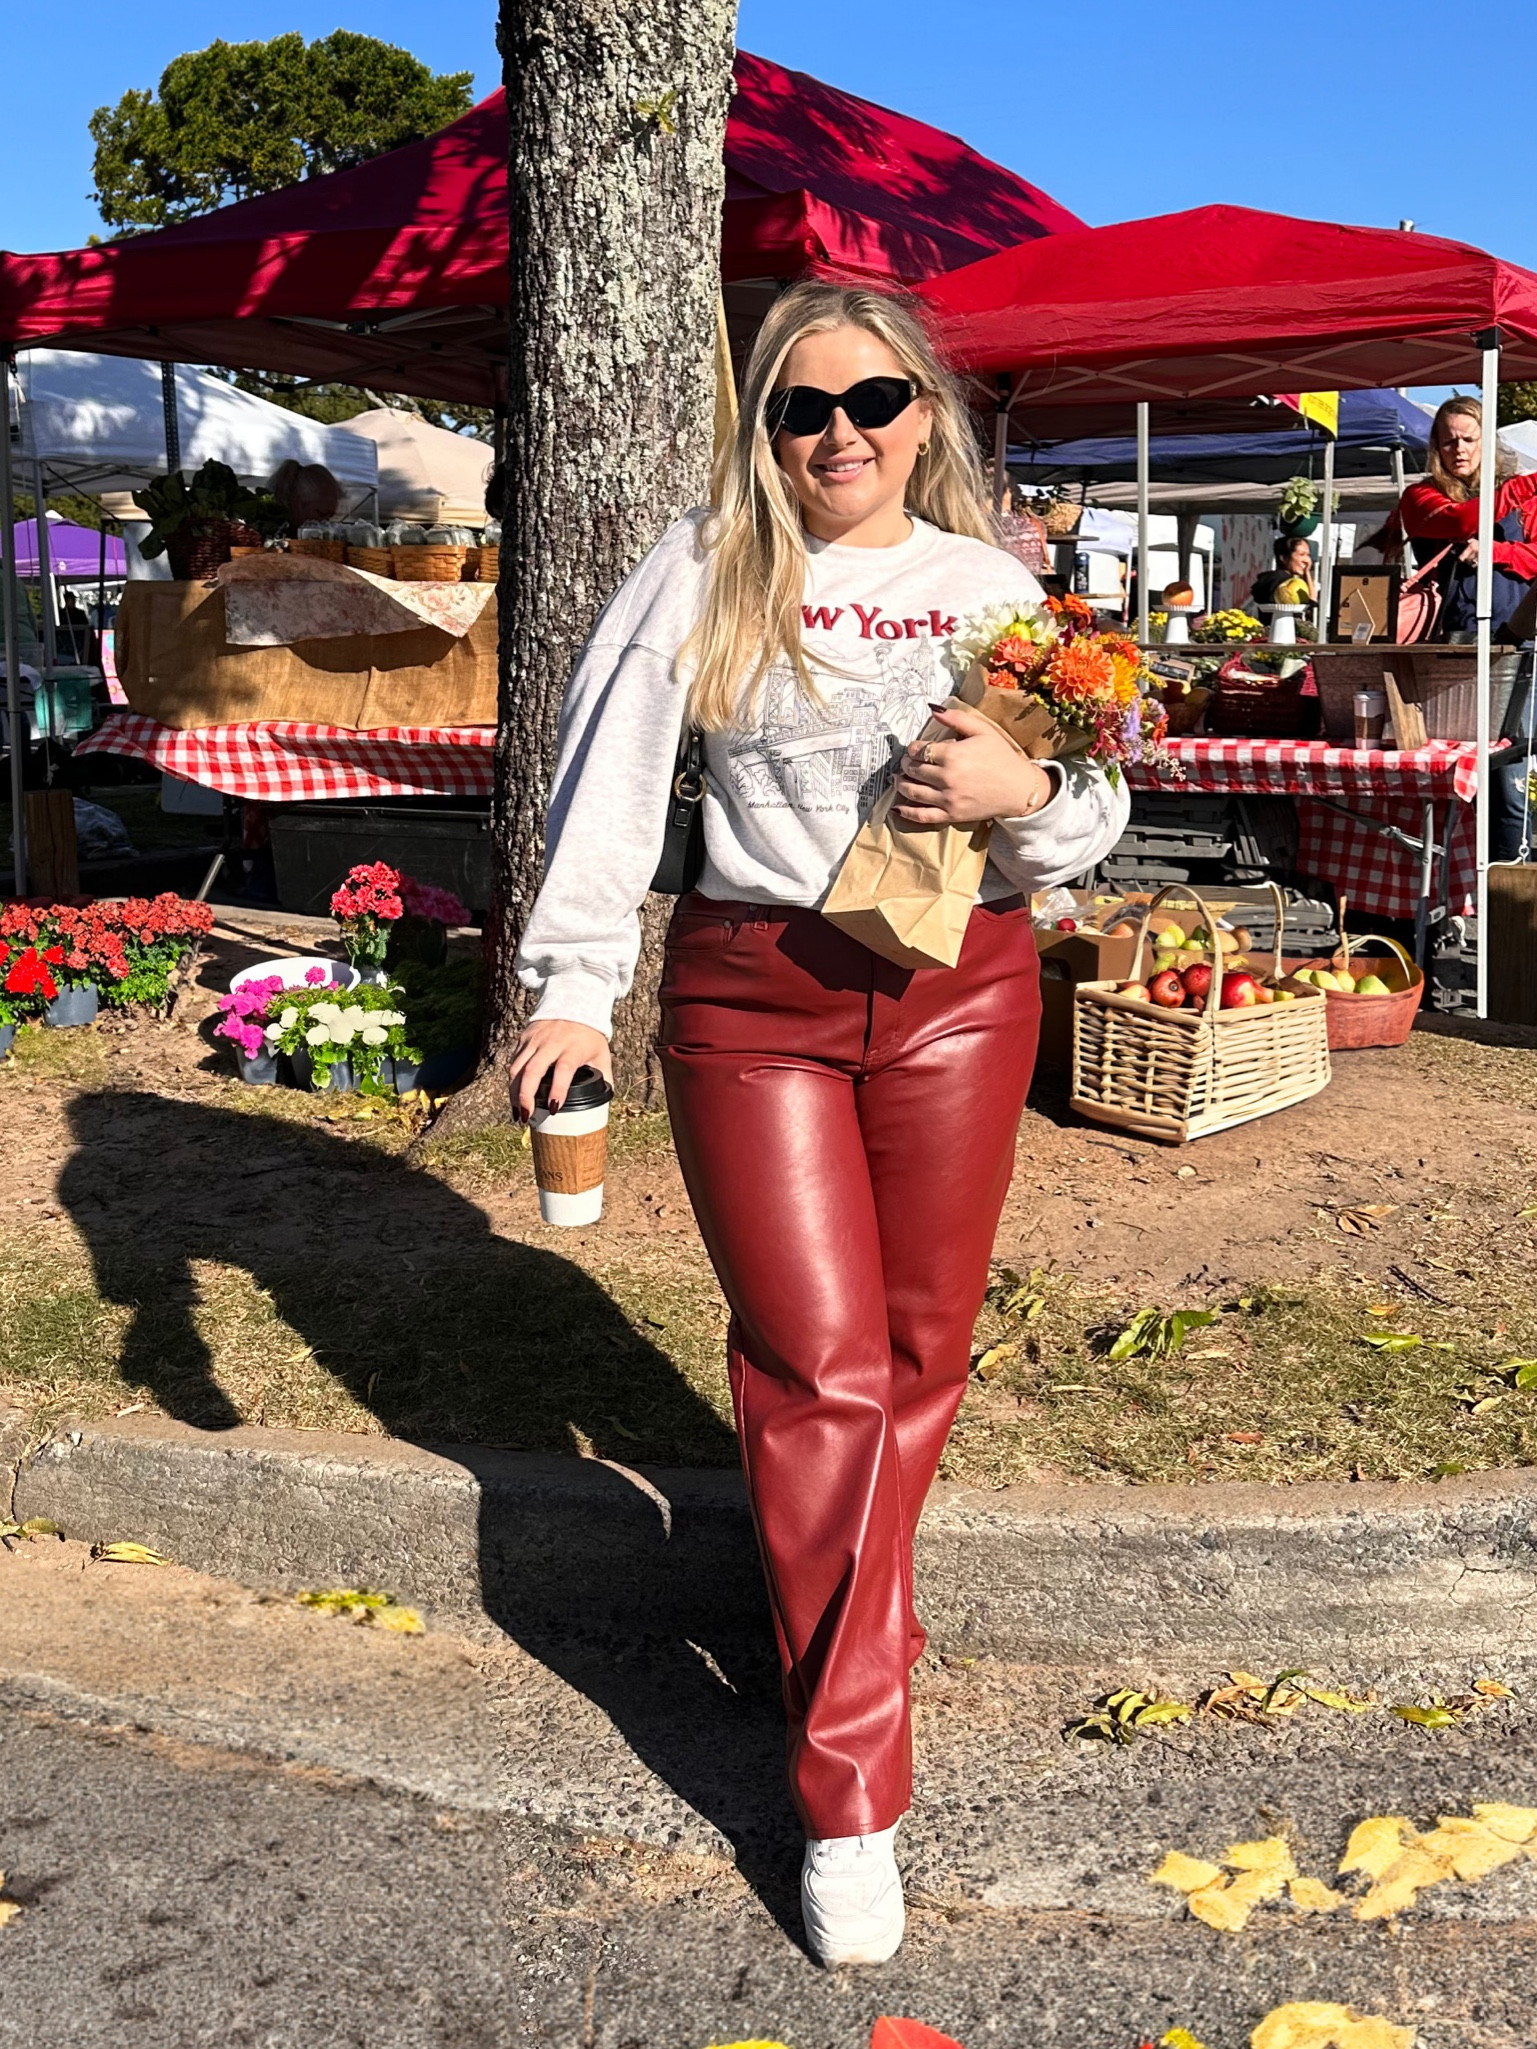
1512,942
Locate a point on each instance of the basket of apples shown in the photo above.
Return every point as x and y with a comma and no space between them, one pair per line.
1207,1042
1364,1007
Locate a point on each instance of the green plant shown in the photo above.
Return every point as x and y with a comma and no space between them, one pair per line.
214,494
1152,1333
1299,500
360,1025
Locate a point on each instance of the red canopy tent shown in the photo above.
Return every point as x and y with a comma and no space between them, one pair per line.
1222,301
395,274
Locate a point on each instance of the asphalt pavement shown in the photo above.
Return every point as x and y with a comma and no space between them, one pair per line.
231,1821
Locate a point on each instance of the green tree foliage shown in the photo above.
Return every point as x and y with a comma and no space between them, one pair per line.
238,119
1517,402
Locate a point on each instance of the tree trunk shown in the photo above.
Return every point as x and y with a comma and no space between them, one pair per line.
616,118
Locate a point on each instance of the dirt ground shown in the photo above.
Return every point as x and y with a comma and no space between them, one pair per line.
174,1239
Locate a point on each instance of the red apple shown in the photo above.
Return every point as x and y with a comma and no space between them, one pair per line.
1167,990
1067,924
1197,979
1262,994
1239,990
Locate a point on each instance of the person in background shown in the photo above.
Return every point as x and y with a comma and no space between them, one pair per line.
1440,512
1023,536
1291,582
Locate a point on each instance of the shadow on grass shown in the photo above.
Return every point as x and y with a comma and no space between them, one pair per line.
443,1330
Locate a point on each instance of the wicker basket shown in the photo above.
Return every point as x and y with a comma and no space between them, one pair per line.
1258,703
1060,518
377,561
1443,682
420,564
483,565
1184,713
1356,1021
1339,673
323,551
1183,1074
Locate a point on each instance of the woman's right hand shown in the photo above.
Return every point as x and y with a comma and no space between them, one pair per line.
556,1047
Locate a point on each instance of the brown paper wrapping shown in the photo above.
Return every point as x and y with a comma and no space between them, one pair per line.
907,891
567,1163
176,666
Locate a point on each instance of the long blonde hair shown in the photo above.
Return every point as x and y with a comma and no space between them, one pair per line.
1460,489
751,618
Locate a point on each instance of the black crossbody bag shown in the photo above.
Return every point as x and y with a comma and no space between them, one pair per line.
682,858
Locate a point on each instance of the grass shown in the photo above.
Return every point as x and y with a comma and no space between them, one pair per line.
510,1345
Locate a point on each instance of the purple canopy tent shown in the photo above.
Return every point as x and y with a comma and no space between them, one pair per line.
74,552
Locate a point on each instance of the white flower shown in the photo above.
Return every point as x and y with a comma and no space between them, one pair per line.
342,1033
273,1032
980,631
328,1013
316,1035
373,1035
287,1016
353,1016
389,1017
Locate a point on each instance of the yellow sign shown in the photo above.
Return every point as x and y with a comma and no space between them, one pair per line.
1322,408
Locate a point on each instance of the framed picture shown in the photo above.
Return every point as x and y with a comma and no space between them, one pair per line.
1364,606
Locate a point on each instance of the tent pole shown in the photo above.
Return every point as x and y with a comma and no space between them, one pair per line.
172,423
9,594
47,596
1144,567
1489,341
1326,542
1399,484
1001,445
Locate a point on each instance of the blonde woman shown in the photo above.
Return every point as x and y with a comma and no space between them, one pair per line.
845,1127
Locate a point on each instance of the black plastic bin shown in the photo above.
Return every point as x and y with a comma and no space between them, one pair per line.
313,846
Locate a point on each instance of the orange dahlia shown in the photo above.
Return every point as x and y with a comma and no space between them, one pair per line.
1082,672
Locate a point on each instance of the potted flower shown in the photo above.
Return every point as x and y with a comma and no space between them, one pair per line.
243,1023
351,1042
366,906
11,1015
197,523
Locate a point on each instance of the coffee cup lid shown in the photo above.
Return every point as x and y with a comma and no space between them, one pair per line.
587,1090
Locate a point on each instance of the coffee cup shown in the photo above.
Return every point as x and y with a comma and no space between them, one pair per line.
1371,717
571,1148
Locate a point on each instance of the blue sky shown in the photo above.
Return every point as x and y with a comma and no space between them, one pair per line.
1351,113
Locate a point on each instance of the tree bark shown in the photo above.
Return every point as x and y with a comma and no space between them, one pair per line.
616,118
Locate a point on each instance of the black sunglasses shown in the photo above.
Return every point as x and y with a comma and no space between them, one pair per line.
802,409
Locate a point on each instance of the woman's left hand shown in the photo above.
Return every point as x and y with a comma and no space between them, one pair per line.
1470,555
976,776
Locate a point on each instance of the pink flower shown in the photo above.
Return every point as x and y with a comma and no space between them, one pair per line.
314,974
426,900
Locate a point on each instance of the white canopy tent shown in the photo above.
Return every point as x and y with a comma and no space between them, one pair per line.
102,423
425,472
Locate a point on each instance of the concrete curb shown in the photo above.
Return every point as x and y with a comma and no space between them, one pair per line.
1374,1575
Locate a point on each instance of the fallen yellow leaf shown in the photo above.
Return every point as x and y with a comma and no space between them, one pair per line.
1374,1844
1491,1689
1402,1883
1472,1850
1216,1906
9,1909
1318,2024
1185,1874
1515,1824
1312,1896
126,1554
402,1621
1271,1854
993,1360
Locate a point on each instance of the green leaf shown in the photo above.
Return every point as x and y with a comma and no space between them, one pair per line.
1392,1340
1522,1371
1135,1336
1184,1320
1427,1717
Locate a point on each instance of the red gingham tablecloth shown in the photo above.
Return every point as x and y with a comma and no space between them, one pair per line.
286,762
1389,786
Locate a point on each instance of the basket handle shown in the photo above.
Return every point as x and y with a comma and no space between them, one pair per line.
1383,939
1344,935
1214,990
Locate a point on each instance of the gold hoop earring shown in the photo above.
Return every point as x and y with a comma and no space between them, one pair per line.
923,448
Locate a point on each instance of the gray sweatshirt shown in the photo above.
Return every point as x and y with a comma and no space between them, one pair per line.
787,792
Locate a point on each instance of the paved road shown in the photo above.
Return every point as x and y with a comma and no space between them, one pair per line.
230,1822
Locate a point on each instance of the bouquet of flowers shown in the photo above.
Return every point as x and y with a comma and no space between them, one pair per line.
1056,686
366,906
1088,691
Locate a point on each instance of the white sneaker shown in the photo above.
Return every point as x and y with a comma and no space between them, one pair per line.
851,1898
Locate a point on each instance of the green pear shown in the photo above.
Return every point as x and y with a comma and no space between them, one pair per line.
1372,985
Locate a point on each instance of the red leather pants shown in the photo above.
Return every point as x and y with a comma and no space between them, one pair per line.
846,1130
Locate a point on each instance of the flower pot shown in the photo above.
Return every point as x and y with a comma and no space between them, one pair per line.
7,1039
1299,529
292,969
367,972
258,1070
419,939
74,1006
401,1075
338,1078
